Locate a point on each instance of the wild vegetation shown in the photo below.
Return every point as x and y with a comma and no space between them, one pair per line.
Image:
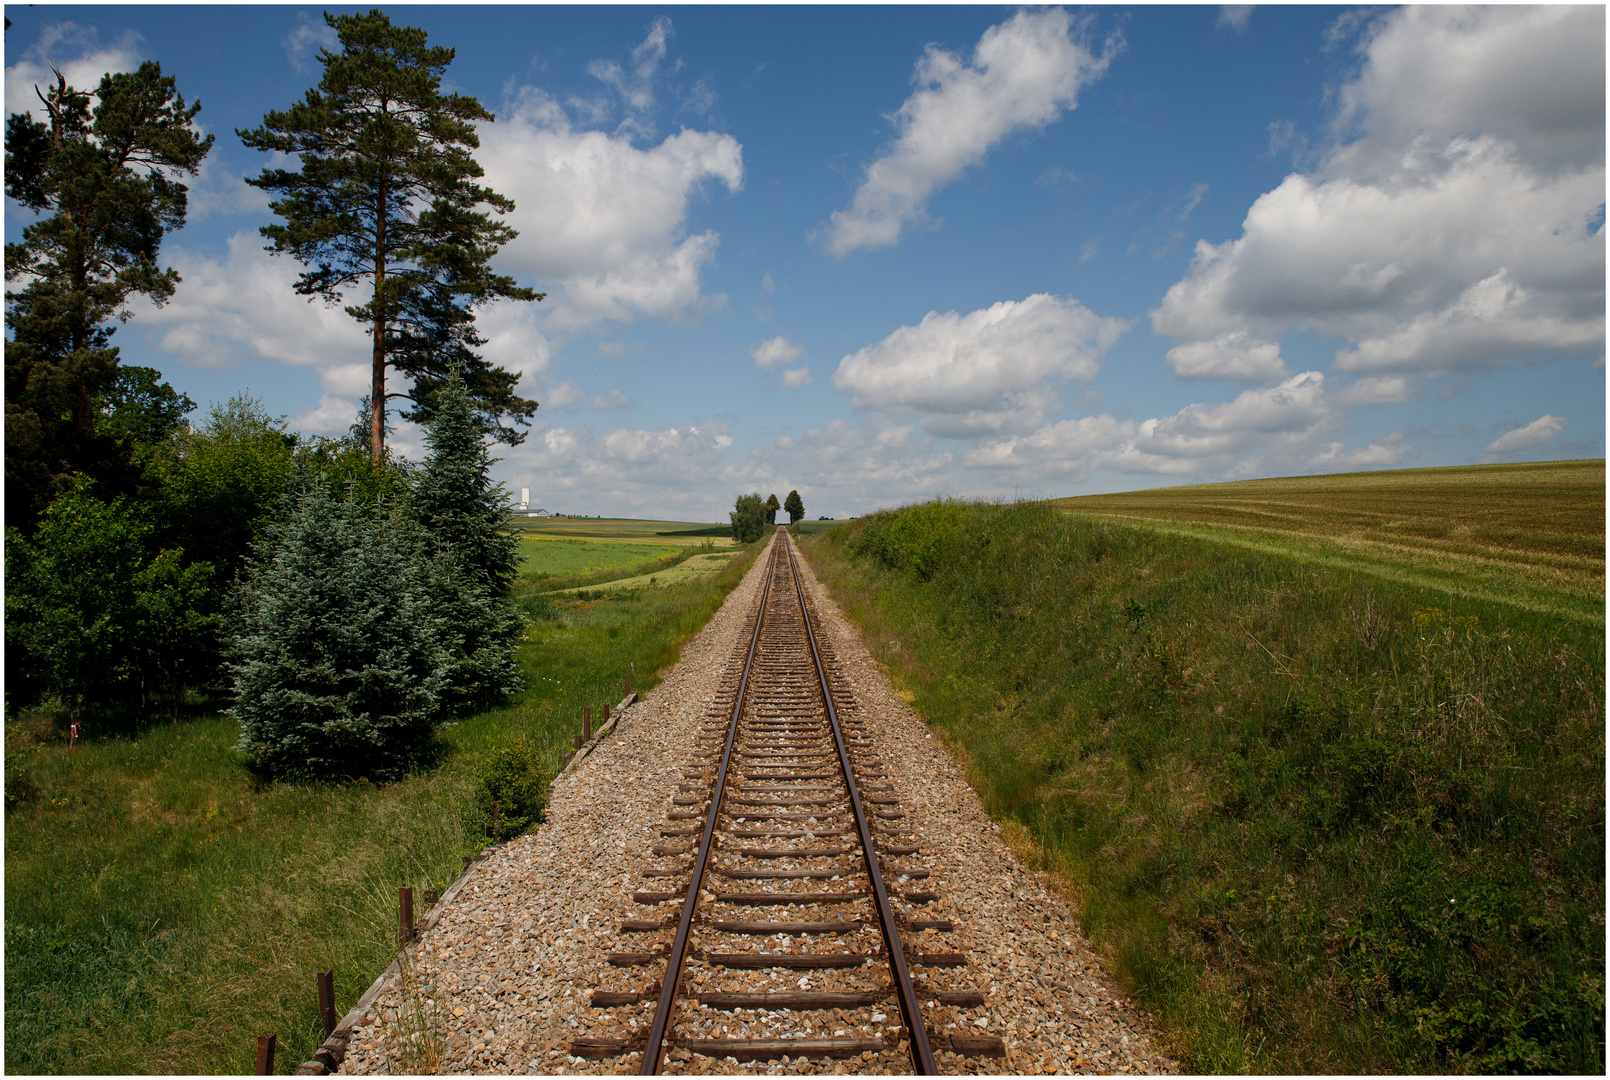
1322,820
163,907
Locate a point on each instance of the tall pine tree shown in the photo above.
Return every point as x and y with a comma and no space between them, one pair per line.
466,557
105,169
386,194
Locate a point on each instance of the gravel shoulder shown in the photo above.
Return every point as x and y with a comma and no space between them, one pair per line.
507,972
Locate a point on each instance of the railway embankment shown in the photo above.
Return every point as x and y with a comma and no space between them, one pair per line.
507,979
1322,816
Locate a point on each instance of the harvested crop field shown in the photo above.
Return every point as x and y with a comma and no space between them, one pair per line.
1529,534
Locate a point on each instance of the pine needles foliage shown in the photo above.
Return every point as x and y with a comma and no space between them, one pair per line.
337,671
465,558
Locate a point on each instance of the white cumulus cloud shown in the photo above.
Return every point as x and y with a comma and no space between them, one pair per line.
1538,431
988,371
1023,74
671,471
1274,427
797,378
1378,390
1233,356
306,38
602,222
775,352
77,52
1385,452
1456,224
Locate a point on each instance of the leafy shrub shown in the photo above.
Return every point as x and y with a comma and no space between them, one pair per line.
509,787
914,538
748,518
90,616
335,669
539,606
20,786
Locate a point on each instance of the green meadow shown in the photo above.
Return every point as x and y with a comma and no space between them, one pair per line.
1330,799
163,909
564,554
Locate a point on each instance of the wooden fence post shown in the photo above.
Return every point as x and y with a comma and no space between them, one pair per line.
405,915
265,1054
326,981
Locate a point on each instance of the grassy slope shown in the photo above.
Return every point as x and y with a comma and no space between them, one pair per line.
162,910
1529,534
1322,820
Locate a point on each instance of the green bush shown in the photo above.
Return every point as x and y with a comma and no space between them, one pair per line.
510,792
20,785
748,518
91,617
914,538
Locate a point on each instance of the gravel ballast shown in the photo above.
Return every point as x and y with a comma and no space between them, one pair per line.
508,970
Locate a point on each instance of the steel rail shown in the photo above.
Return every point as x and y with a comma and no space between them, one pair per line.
922,1055
654,1052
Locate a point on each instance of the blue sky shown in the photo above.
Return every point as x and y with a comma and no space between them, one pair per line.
879,254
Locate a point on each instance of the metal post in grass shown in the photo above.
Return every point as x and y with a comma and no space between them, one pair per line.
326,981
405,915
265,1054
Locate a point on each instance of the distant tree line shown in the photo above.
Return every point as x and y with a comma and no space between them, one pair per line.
750,515
345,599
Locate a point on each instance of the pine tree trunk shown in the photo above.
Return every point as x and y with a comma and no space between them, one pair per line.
377,390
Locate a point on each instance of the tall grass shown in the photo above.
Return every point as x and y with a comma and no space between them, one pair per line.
162,909
1320,822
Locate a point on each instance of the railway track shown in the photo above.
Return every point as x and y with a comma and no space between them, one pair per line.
779,920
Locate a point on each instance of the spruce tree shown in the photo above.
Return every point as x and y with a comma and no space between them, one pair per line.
336,672
465,556
386,194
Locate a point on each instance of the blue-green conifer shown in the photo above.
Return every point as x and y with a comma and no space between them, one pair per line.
465,555
336,669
